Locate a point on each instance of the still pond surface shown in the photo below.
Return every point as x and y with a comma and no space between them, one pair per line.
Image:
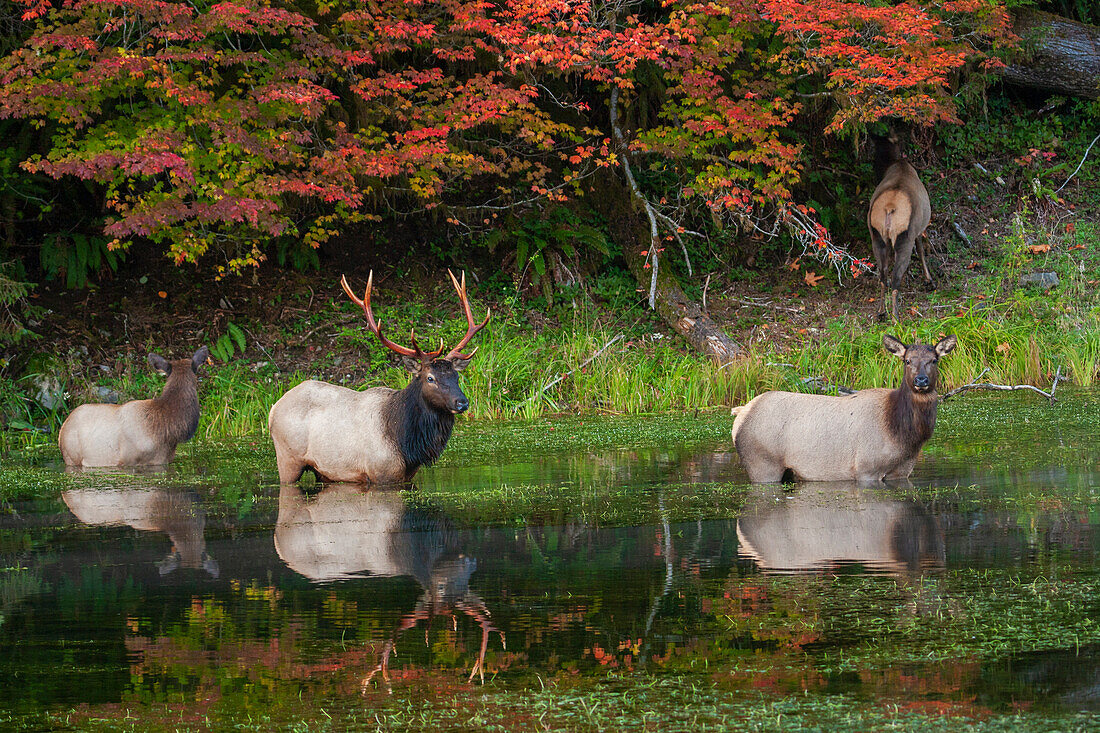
601,574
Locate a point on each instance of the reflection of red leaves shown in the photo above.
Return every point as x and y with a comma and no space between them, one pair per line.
812,279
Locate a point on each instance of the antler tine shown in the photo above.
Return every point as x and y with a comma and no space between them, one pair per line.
427,354
376,326
472,327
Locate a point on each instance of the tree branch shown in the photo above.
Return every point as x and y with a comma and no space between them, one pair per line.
1006,387
582,365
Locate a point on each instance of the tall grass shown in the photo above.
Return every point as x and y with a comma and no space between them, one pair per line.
517,376
520,374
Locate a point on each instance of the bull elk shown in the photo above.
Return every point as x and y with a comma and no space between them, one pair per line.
178,514
867,436
899,214
348,531
838,524
379,435
139,432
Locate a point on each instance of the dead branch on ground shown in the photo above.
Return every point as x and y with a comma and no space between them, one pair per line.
1006,387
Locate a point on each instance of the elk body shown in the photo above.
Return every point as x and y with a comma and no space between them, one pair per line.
899,214
139,432
379,435
837,524
347,531
178,514
867,436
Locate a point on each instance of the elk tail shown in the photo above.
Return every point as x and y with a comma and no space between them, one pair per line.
740,409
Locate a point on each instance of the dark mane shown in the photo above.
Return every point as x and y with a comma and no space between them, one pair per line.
911,418
173,416
887,152
420,432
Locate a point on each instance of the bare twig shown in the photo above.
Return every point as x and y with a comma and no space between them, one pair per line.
582,365
961,233
705,286
1071,175
765,304
1007,387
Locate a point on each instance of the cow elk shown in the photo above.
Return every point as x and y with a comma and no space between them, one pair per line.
379,435
139,432
866,436
348,531
834,525
176,513
899,214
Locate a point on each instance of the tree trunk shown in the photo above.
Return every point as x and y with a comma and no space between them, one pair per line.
1064,55
627,226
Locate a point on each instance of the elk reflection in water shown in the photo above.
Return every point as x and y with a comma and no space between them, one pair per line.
830,525
349,531
179,514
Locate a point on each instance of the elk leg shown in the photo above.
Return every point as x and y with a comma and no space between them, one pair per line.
763,471
290,470
902,471
922,247
903,252
882,261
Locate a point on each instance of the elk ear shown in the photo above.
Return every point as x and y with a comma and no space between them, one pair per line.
199,358
459,363
412,364
946,345
159,363
891,344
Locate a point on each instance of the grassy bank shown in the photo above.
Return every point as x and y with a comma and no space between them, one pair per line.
517,375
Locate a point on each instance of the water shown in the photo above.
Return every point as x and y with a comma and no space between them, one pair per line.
566,588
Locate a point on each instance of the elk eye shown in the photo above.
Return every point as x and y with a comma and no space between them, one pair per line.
430,378
907,361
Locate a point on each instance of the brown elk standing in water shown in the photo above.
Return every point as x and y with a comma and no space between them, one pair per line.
139,432
866,436
347,531
899,214
176,513
379,435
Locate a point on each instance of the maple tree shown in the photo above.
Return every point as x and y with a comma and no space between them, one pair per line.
222,126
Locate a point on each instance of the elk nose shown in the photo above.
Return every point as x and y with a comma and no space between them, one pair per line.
921,381
461,404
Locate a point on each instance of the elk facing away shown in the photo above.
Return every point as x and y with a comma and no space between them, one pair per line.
898,216
379,435
866,436
139,432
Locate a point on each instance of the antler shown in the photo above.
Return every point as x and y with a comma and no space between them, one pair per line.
472,328
376,326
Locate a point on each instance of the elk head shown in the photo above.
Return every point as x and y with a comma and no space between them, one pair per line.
921,361
437,375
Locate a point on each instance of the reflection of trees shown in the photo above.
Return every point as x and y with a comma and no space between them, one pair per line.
347,531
